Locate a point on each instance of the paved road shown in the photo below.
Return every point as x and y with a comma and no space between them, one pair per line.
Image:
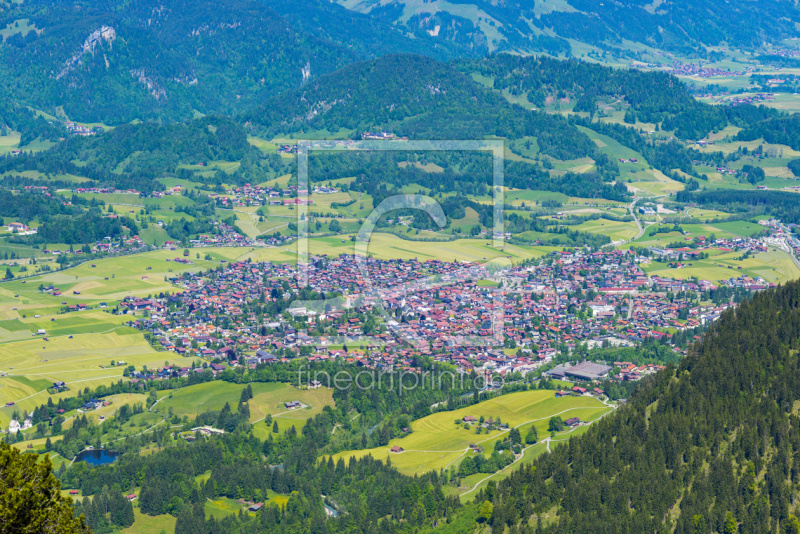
635,219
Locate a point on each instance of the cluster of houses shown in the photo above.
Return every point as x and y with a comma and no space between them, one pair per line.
176,190
93,404
20,228
287,149
737,100
104,190
132,244
76,129
15,426
782,236
224,236
381,136
264,195
430,308
688,69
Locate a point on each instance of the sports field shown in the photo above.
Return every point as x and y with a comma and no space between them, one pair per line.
437,442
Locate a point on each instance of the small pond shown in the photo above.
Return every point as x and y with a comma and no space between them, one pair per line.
97,456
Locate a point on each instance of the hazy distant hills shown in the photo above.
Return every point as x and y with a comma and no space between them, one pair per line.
543,25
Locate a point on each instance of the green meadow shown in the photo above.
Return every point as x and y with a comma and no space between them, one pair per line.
268,399
437,442
774,266
31,366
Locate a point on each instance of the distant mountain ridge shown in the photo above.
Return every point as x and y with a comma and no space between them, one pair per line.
685,26
147,59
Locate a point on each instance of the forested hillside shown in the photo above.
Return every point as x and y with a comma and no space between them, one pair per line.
653,97
114,62
712,445
133,156
417,97
683,26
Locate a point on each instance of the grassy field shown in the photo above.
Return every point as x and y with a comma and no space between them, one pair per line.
268,399
388,246
774,266
437,442
613,229
21,26
149,524
9,142
33,365
113,278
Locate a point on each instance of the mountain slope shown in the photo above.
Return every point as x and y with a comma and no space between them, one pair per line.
114,62
417,97
685,26
712,446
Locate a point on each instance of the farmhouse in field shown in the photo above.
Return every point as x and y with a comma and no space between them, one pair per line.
396,449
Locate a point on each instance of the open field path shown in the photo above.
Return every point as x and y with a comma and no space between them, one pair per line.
546,441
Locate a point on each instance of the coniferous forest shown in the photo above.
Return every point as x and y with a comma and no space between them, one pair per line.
709,445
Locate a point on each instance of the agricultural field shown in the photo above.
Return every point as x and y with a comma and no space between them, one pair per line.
30,367
268,399
614,229
788,102
437,442
113,278
387,246
147,524
774,266
9,142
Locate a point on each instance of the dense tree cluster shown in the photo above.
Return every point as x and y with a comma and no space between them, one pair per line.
30,496
366,492
689,448
88,227
780,204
